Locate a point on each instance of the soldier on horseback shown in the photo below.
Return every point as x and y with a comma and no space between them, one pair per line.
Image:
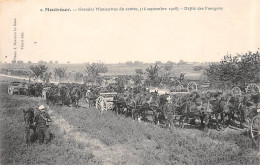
42,122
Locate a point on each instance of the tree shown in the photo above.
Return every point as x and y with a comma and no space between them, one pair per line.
38,70
235,69
50,62
139,72
41,62
78,76
168,65
152,74
138,77
128,63
138,63
93,71
181,62
13,61
47,77
60,72
197,68
20,62
56,62
29,62
68,62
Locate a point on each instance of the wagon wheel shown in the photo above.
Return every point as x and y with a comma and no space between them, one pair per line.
192,86
255,129
44,96
252,89
10,90
179,88
101,104
236,91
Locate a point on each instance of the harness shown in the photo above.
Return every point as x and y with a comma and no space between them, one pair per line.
48,121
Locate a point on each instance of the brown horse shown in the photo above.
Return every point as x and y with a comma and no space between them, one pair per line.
29,125
195,107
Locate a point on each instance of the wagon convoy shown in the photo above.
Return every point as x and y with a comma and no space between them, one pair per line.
215,110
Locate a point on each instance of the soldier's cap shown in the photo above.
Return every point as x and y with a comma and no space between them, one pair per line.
41,107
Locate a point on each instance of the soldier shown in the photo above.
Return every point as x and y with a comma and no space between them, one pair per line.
90,97
156,91
181,77
42,122
169,112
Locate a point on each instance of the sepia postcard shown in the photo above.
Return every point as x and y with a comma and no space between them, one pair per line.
119,82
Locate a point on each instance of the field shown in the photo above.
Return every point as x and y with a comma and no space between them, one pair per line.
85,136
113,69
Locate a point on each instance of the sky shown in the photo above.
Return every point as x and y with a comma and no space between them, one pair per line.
113,37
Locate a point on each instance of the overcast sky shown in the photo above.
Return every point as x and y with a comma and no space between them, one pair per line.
113,37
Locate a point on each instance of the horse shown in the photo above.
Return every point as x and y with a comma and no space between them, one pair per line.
148,106
220,109
29,125
53,95
65,95
75,95
120,102
193,106
244,110
31,90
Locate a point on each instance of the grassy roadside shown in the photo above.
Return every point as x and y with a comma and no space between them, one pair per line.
139,143
13,149
155,145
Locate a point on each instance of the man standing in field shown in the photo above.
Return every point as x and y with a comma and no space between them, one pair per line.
90,97
169,112
42,122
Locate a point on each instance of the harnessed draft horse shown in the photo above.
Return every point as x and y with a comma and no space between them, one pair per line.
29,125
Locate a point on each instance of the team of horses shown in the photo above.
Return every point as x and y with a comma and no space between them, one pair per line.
61,94
209,109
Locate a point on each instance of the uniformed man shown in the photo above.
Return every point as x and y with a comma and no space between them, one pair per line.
90,97
156,91
169,112
181,77
42,122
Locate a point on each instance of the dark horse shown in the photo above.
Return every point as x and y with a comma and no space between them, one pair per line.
75,95
29,125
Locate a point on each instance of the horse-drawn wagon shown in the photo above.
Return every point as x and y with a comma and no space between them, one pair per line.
250,89
190,82
105,101
255,120
101,98
17,88
255,127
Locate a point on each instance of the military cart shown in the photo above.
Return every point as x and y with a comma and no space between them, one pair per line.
105,101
